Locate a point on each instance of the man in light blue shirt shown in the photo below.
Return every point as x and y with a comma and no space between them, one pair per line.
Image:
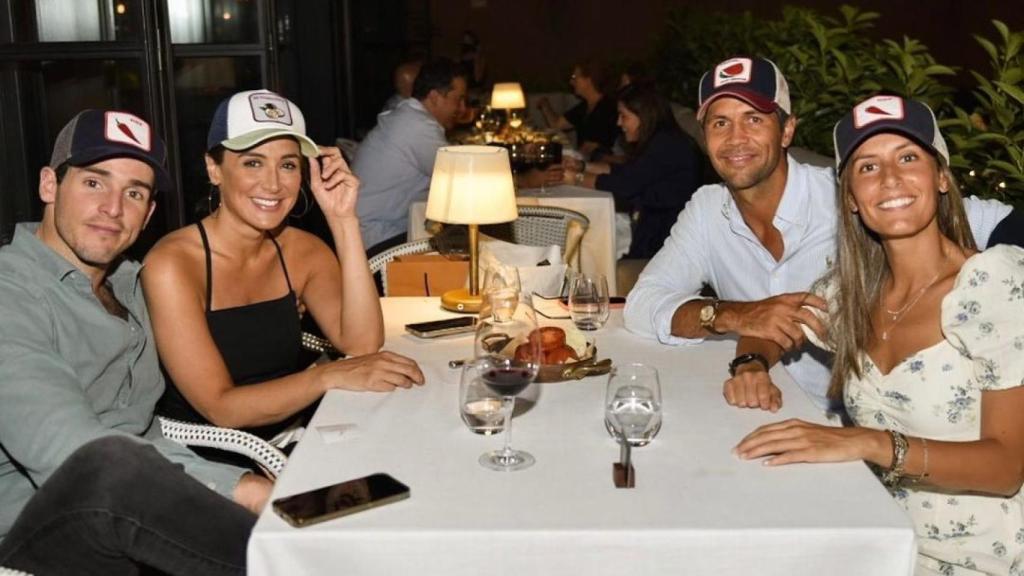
396,160
759,239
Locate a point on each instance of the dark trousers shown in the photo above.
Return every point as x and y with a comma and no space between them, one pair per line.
116,506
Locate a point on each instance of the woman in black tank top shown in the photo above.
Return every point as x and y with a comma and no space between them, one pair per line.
225,295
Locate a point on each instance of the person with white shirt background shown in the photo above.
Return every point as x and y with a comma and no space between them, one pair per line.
759,240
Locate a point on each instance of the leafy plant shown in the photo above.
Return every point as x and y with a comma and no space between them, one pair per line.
830,62
987,143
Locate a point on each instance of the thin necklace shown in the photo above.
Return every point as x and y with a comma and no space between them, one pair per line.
898,314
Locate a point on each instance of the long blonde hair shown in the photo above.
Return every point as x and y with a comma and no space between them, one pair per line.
861,269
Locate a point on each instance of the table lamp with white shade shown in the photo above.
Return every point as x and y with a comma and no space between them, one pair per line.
471,185
508,95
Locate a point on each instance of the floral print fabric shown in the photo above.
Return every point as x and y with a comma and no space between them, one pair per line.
936,394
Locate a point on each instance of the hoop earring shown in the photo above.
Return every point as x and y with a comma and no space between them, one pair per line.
305,209
214,190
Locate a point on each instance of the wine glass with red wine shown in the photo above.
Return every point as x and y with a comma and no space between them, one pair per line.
508,350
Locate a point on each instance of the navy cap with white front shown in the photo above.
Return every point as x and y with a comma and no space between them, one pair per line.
888,114
756,81
247,119
96,135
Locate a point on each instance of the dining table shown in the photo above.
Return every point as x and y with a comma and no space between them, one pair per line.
606,239
696,507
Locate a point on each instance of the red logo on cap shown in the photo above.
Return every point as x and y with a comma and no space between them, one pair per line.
126,128
877,109
733,71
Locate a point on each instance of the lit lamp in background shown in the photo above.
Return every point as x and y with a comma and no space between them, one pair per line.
508,95
471,185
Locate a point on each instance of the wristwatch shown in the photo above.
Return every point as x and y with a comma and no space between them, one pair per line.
744,359
708,315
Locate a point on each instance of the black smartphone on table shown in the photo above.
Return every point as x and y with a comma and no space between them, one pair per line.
436,328
340,499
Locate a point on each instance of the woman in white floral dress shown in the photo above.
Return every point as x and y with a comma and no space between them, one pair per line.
929,343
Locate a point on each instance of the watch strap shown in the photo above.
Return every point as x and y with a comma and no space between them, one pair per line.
747,358
709,324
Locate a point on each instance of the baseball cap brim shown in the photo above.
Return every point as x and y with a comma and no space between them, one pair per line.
96,154
245,141
867,133
759,101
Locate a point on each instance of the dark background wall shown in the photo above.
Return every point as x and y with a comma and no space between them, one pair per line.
536,41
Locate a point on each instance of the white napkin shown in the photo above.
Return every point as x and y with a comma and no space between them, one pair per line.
544,280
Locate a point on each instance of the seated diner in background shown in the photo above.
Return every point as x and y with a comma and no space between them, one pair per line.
660,174
927,335
593,119
225,295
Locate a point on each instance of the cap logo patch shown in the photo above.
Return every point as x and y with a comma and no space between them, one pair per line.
736,70
877,109
270,108
129,129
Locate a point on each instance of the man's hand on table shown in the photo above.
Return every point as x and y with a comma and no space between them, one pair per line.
778,318
752,387
380,372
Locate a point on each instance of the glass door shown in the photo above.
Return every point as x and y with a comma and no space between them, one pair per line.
218,47
169,61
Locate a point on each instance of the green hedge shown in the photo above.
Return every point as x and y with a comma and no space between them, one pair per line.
834,61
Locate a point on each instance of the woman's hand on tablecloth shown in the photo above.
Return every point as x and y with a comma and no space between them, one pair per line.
333,184
380,372
795,440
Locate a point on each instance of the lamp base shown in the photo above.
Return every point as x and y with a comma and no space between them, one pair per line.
461,300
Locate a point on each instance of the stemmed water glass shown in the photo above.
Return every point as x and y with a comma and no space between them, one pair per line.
588,301
508,353
501,291
632,409
548,154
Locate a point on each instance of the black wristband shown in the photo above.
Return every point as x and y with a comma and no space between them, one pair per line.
746,358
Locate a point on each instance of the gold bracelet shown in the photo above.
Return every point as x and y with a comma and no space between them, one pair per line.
900,447
924,456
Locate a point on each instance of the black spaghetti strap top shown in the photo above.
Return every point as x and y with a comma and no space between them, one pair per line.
258,342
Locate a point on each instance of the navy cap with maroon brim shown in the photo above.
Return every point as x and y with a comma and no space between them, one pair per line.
887,114
756,81
96,135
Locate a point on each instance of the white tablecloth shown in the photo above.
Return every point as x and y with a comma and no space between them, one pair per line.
598,248
696,508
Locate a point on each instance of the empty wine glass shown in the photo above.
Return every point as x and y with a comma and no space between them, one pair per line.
588,301
548,154
508,353
632,409
500,291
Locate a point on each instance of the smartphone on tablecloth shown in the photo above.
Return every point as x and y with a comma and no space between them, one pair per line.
340,499
436,328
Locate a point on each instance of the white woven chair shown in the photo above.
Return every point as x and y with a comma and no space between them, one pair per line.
11,572
268,458
319,344
547,225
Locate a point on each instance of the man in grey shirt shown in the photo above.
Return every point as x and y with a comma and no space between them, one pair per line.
396,160
87,481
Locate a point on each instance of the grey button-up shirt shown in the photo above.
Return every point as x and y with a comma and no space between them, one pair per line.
394,164
71,372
